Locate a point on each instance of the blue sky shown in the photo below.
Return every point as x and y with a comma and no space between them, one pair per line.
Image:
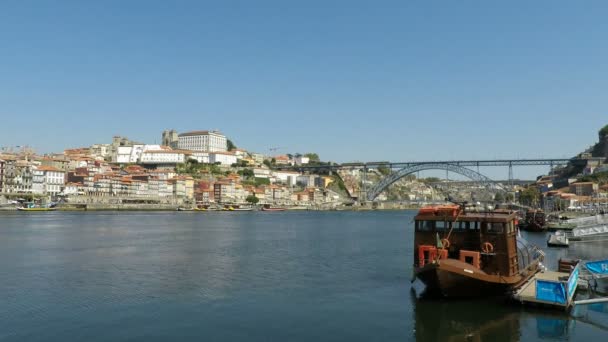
351,80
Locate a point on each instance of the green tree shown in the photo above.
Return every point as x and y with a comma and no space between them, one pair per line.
261,181
267,162
384,170
604,131
313,157
529,196
509,197
499,197
252,199
247,173
230,145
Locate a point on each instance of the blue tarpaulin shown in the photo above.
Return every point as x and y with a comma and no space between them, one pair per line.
573,282
598,267
549,291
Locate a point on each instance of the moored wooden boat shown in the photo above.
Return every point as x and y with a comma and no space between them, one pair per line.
470,254
534,221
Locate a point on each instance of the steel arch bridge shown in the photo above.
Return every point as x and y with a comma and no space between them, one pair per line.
408,170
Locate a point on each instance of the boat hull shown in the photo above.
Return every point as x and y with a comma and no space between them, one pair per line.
273,209
36,209
443,283
453,278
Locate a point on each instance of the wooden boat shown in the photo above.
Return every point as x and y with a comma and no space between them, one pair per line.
534,221
470,254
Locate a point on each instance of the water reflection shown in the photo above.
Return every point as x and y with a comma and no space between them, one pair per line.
465,320
481,320
553,328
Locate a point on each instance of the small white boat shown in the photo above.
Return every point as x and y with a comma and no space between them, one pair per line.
36,209
558,239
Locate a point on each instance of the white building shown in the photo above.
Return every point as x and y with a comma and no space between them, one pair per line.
224,158
201,157
125,155
260,172
204,141
47,180
132,154
301,160
164,157
288,178
258,158
240,153
73,189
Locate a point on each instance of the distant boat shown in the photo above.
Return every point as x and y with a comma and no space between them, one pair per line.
184,209
558,239
534,221
273,209
242,209
236,208
36,209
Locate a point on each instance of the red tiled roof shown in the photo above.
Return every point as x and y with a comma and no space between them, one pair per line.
48,168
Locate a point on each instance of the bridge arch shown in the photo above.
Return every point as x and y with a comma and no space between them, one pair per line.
395,176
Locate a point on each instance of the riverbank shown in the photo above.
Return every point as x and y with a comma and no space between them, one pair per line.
155,207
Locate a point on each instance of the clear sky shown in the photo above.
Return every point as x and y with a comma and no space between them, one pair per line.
350,80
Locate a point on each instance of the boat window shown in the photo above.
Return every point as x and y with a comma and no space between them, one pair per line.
473,225
461,225
424,226
495,228
441,225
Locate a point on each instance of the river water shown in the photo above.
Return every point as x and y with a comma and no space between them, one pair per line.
244,276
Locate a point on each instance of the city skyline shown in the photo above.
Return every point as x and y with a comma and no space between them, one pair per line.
394,82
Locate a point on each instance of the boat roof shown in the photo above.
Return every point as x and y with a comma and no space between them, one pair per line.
486,216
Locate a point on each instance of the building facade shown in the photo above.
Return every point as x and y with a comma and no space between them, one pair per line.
203,141
584,188
17,176
223,158
164,157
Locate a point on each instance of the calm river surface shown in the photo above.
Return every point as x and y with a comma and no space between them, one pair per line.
249,276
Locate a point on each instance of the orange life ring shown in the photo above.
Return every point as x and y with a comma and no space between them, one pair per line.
445,243
487,247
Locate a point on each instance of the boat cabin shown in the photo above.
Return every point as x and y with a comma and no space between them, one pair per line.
485,240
